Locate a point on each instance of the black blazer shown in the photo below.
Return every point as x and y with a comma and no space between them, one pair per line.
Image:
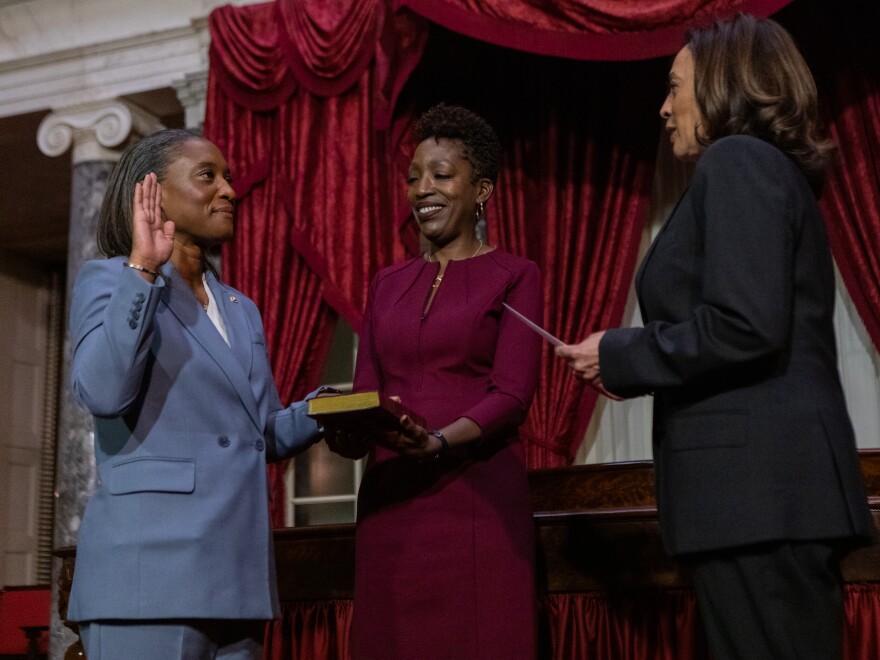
752,440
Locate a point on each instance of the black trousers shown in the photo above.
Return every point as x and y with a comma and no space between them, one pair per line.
776,601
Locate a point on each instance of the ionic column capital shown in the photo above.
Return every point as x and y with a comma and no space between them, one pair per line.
95,130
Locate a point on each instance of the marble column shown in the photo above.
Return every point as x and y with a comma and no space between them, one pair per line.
192,91
98,133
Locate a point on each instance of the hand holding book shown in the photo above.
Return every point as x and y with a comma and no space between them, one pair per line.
353,421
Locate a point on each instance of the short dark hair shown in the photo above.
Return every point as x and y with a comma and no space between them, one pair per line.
481,145
750,79
154,153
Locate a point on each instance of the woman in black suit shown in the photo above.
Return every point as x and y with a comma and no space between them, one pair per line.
758,482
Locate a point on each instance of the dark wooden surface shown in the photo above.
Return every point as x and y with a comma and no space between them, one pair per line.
596,528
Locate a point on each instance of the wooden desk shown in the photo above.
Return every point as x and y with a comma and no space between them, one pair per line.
596,528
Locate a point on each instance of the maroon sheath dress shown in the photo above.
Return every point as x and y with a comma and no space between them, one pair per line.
445,548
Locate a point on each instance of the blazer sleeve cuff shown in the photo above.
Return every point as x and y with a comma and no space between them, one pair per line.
291,431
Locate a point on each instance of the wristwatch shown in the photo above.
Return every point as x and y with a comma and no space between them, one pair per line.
444,443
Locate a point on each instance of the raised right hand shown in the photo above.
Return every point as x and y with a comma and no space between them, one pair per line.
152,237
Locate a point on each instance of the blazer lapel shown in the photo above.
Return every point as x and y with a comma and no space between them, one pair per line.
182,303
237,326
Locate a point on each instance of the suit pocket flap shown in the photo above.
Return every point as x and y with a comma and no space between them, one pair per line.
158,475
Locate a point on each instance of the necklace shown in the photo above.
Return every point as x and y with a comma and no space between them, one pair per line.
439,278
430,257
203,303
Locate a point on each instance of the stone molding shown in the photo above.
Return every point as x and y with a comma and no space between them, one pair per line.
104,71
94,130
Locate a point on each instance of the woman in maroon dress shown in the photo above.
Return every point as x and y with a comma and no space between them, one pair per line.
445,541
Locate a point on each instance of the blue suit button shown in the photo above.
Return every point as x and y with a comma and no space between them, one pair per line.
223,441
132,323
258,445
140,297
135,314
138,305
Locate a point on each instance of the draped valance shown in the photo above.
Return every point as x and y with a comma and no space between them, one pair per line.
261,53
612,30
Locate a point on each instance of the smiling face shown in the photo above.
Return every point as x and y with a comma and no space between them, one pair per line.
684,121
442,192
197,194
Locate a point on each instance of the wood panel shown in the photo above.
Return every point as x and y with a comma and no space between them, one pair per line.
596,530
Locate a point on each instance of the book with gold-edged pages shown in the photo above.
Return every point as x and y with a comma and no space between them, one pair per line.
372,409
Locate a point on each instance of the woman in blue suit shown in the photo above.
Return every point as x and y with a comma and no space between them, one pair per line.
758,482
174,554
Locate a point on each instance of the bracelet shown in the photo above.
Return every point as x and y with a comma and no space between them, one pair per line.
444,444
140,268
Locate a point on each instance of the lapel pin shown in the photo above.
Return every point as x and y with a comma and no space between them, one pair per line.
233,299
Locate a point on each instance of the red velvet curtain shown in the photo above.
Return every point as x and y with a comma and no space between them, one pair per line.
665,624
861,634
310,630
573,196
849,80
852,202
583,29
648,624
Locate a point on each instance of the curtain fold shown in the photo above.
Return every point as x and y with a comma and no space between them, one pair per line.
850,92
583,29
861,612
574,199
261,54
245,59
852,201
329,44
338,192
310,630
649,624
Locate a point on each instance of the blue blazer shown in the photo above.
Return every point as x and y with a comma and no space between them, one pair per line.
178,526
752,440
